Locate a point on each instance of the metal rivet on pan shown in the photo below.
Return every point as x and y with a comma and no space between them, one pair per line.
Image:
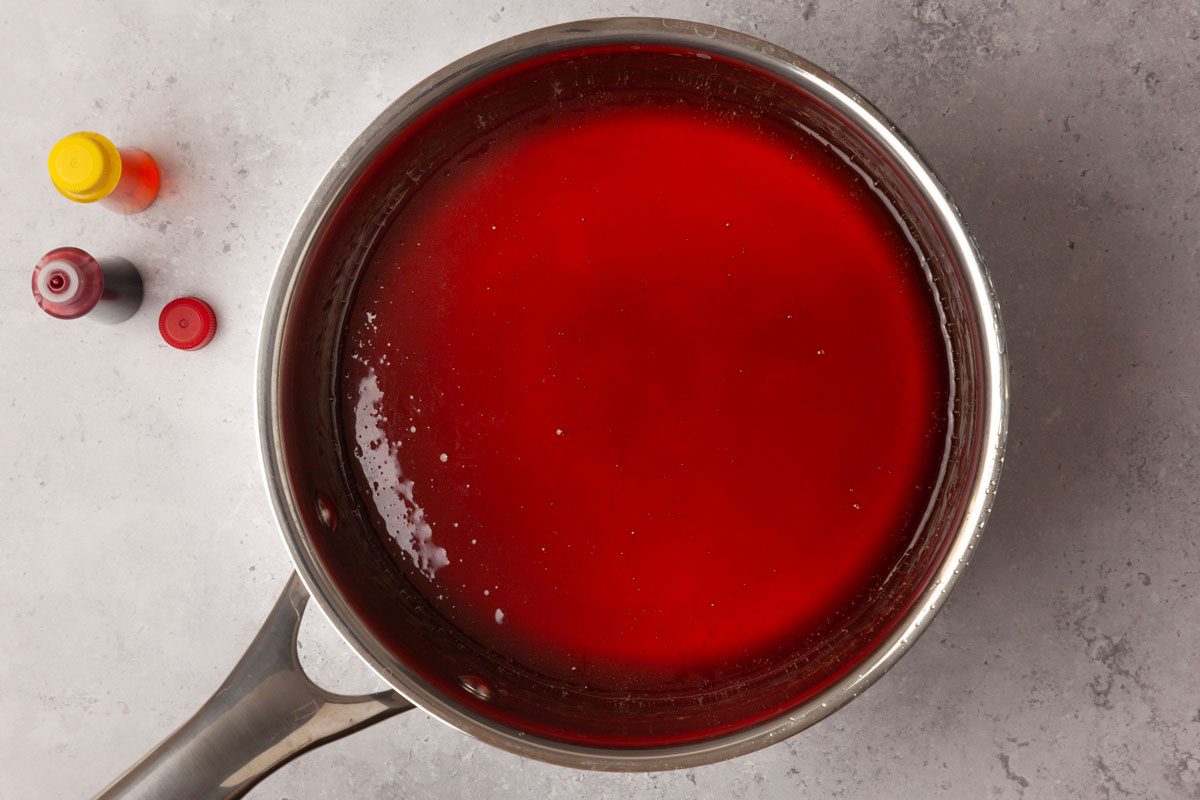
476,686
326,512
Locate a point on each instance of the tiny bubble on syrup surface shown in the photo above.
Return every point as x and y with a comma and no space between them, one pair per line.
476,686
326,511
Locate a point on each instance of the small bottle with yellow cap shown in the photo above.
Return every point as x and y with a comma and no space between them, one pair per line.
88,168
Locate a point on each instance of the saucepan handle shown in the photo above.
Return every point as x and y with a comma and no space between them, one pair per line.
265,713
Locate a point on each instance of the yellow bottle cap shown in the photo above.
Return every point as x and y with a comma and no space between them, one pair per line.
85,167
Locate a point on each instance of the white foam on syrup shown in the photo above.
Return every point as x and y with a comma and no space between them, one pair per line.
390,490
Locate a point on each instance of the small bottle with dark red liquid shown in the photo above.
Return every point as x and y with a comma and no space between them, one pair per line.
87,168
69,283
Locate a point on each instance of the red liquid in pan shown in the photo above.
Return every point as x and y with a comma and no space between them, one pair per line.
645,393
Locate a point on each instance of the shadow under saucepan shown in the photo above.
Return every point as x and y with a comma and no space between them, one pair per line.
1050,637
1061,226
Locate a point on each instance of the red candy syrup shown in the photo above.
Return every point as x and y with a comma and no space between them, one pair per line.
645,393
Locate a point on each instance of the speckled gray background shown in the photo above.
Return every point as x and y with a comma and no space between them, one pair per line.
138,551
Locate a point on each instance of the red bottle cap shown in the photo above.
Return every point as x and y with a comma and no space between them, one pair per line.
187,323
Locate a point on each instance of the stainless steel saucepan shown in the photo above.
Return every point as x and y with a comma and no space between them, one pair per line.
268,711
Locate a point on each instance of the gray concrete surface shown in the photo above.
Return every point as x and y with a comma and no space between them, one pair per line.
138,551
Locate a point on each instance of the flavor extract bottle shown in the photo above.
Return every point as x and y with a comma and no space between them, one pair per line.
69,283
88,168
